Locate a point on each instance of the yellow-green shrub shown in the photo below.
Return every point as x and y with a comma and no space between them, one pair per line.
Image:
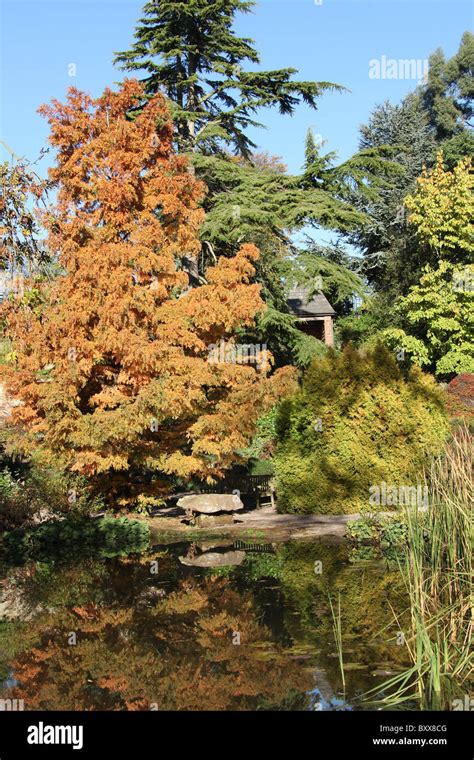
375,426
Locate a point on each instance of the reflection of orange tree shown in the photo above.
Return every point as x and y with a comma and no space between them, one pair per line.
177,654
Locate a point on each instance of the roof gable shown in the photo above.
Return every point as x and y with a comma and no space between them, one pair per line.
301,306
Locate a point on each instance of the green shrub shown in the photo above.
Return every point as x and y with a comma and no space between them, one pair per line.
364,530
31,493
355,328
356,422
261,447
382,531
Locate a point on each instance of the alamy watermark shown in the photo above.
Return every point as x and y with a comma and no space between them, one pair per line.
12,705
45,734
238,353
463,704
401,68
463,280
386,495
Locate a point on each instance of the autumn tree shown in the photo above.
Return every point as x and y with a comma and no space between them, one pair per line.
176,652
435,319
441,211
111,361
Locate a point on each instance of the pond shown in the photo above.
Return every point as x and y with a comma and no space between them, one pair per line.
232,626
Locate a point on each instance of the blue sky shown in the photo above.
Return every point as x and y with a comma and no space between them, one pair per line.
334,41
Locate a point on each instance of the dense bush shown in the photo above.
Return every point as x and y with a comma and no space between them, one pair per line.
30,493
356,422
355,328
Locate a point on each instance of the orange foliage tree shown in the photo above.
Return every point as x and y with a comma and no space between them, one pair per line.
111,360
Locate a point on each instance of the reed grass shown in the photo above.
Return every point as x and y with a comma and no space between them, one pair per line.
437,569
337,630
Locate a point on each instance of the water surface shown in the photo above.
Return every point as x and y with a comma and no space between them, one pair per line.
156,631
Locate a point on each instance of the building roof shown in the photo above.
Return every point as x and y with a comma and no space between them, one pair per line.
304,308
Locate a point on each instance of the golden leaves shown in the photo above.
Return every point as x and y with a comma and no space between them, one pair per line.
131,381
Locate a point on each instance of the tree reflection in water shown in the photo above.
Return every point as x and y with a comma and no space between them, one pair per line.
109,634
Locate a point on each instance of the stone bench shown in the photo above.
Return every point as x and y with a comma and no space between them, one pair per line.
211,508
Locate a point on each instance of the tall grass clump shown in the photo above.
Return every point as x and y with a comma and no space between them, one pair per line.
437,569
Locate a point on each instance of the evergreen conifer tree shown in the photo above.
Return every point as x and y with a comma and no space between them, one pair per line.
191,52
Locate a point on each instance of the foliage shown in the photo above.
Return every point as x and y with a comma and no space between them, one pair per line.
381,530
391,260
321,268
449,91
460,397
246,203
442,210
438,575
263,443
107,537
363,530
113,368
191,52
287,343
262,565
437,115
165,641
142,651
367,601
458,147
22,194
29,492
355,422
438,320
356,328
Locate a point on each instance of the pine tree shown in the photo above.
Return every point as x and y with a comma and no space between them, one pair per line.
449,91
316,169
437,115
311,152
190,51
111,362
391,257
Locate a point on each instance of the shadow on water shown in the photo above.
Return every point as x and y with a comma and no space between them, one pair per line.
226,626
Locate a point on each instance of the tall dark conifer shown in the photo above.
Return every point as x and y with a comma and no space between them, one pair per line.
190,50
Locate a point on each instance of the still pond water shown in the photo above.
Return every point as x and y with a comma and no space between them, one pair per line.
157,630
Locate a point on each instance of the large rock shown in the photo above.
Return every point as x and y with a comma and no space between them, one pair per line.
208,503
214,559
212,521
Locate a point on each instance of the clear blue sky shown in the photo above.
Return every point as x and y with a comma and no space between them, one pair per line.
331,41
